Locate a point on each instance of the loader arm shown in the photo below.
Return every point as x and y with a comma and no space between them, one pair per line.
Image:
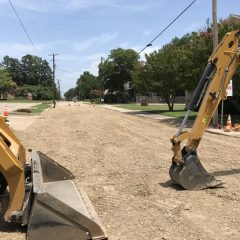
211,89
12,160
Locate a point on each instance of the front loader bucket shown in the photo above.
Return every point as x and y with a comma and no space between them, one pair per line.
58,210
191,175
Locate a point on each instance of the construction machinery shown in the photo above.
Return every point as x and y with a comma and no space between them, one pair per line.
186,169
42,195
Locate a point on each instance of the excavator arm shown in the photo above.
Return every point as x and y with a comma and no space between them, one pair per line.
186,169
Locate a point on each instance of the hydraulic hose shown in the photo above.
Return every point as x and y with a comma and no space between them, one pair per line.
201,87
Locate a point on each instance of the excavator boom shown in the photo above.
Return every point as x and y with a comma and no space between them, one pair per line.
186,169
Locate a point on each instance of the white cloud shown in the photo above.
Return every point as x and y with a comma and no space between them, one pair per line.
93,61
70,57
73,5
95,56
124,45
67,81
88,63
93,67
18,49
95,41
146,33
193,27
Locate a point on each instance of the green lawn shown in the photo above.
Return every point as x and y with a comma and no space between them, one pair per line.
39,107
162,109
178,112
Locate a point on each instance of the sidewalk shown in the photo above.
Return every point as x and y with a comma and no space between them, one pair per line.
135,112
162,117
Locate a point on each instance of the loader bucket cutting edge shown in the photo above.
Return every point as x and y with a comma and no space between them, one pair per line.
59,211
191,175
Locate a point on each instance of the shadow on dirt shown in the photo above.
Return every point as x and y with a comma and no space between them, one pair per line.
226,172
174,121
11,227
6,226
171,184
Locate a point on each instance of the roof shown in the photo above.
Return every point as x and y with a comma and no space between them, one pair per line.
233,19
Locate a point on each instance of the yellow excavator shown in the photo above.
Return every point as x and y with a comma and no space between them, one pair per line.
42,195
186,169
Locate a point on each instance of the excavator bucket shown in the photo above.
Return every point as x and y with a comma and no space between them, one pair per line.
191,175
58,210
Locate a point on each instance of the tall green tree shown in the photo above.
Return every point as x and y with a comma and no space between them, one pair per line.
36,71
72,92
6,82
86,83
13,66
32,74
163,70
116,70
30,70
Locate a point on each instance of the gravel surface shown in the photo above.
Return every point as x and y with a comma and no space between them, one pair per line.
122,161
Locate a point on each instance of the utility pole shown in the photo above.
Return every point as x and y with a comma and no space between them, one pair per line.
215,44
80,88
59,90
102,59
53,78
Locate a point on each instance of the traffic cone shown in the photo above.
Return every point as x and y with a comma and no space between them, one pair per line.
228,127
229,121
5,113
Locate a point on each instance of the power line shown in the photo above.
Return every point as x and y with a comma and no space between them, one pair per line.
150,43
62,70
24,28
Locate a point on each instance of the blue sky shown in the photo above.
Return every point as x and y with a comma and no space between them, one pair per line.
81,31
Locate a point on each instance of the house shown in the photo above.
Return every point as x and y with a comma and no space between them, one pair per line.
233,19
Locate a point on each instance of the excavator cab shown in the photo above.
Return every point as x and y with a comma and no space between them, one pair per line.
186,169
42,195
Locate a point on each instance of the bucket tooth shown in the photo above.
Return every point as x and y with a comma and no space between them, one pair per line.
191,175
59,211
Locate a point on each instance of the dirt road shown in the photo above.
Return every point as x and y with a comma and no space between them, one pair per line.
122,161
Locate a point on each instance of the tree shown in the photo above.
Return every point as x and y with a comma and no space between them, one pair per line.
163,70
116,69
6,82
38,92
87,83
35,71
195,49
31,70
31,74
13,66
72,92
141,81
